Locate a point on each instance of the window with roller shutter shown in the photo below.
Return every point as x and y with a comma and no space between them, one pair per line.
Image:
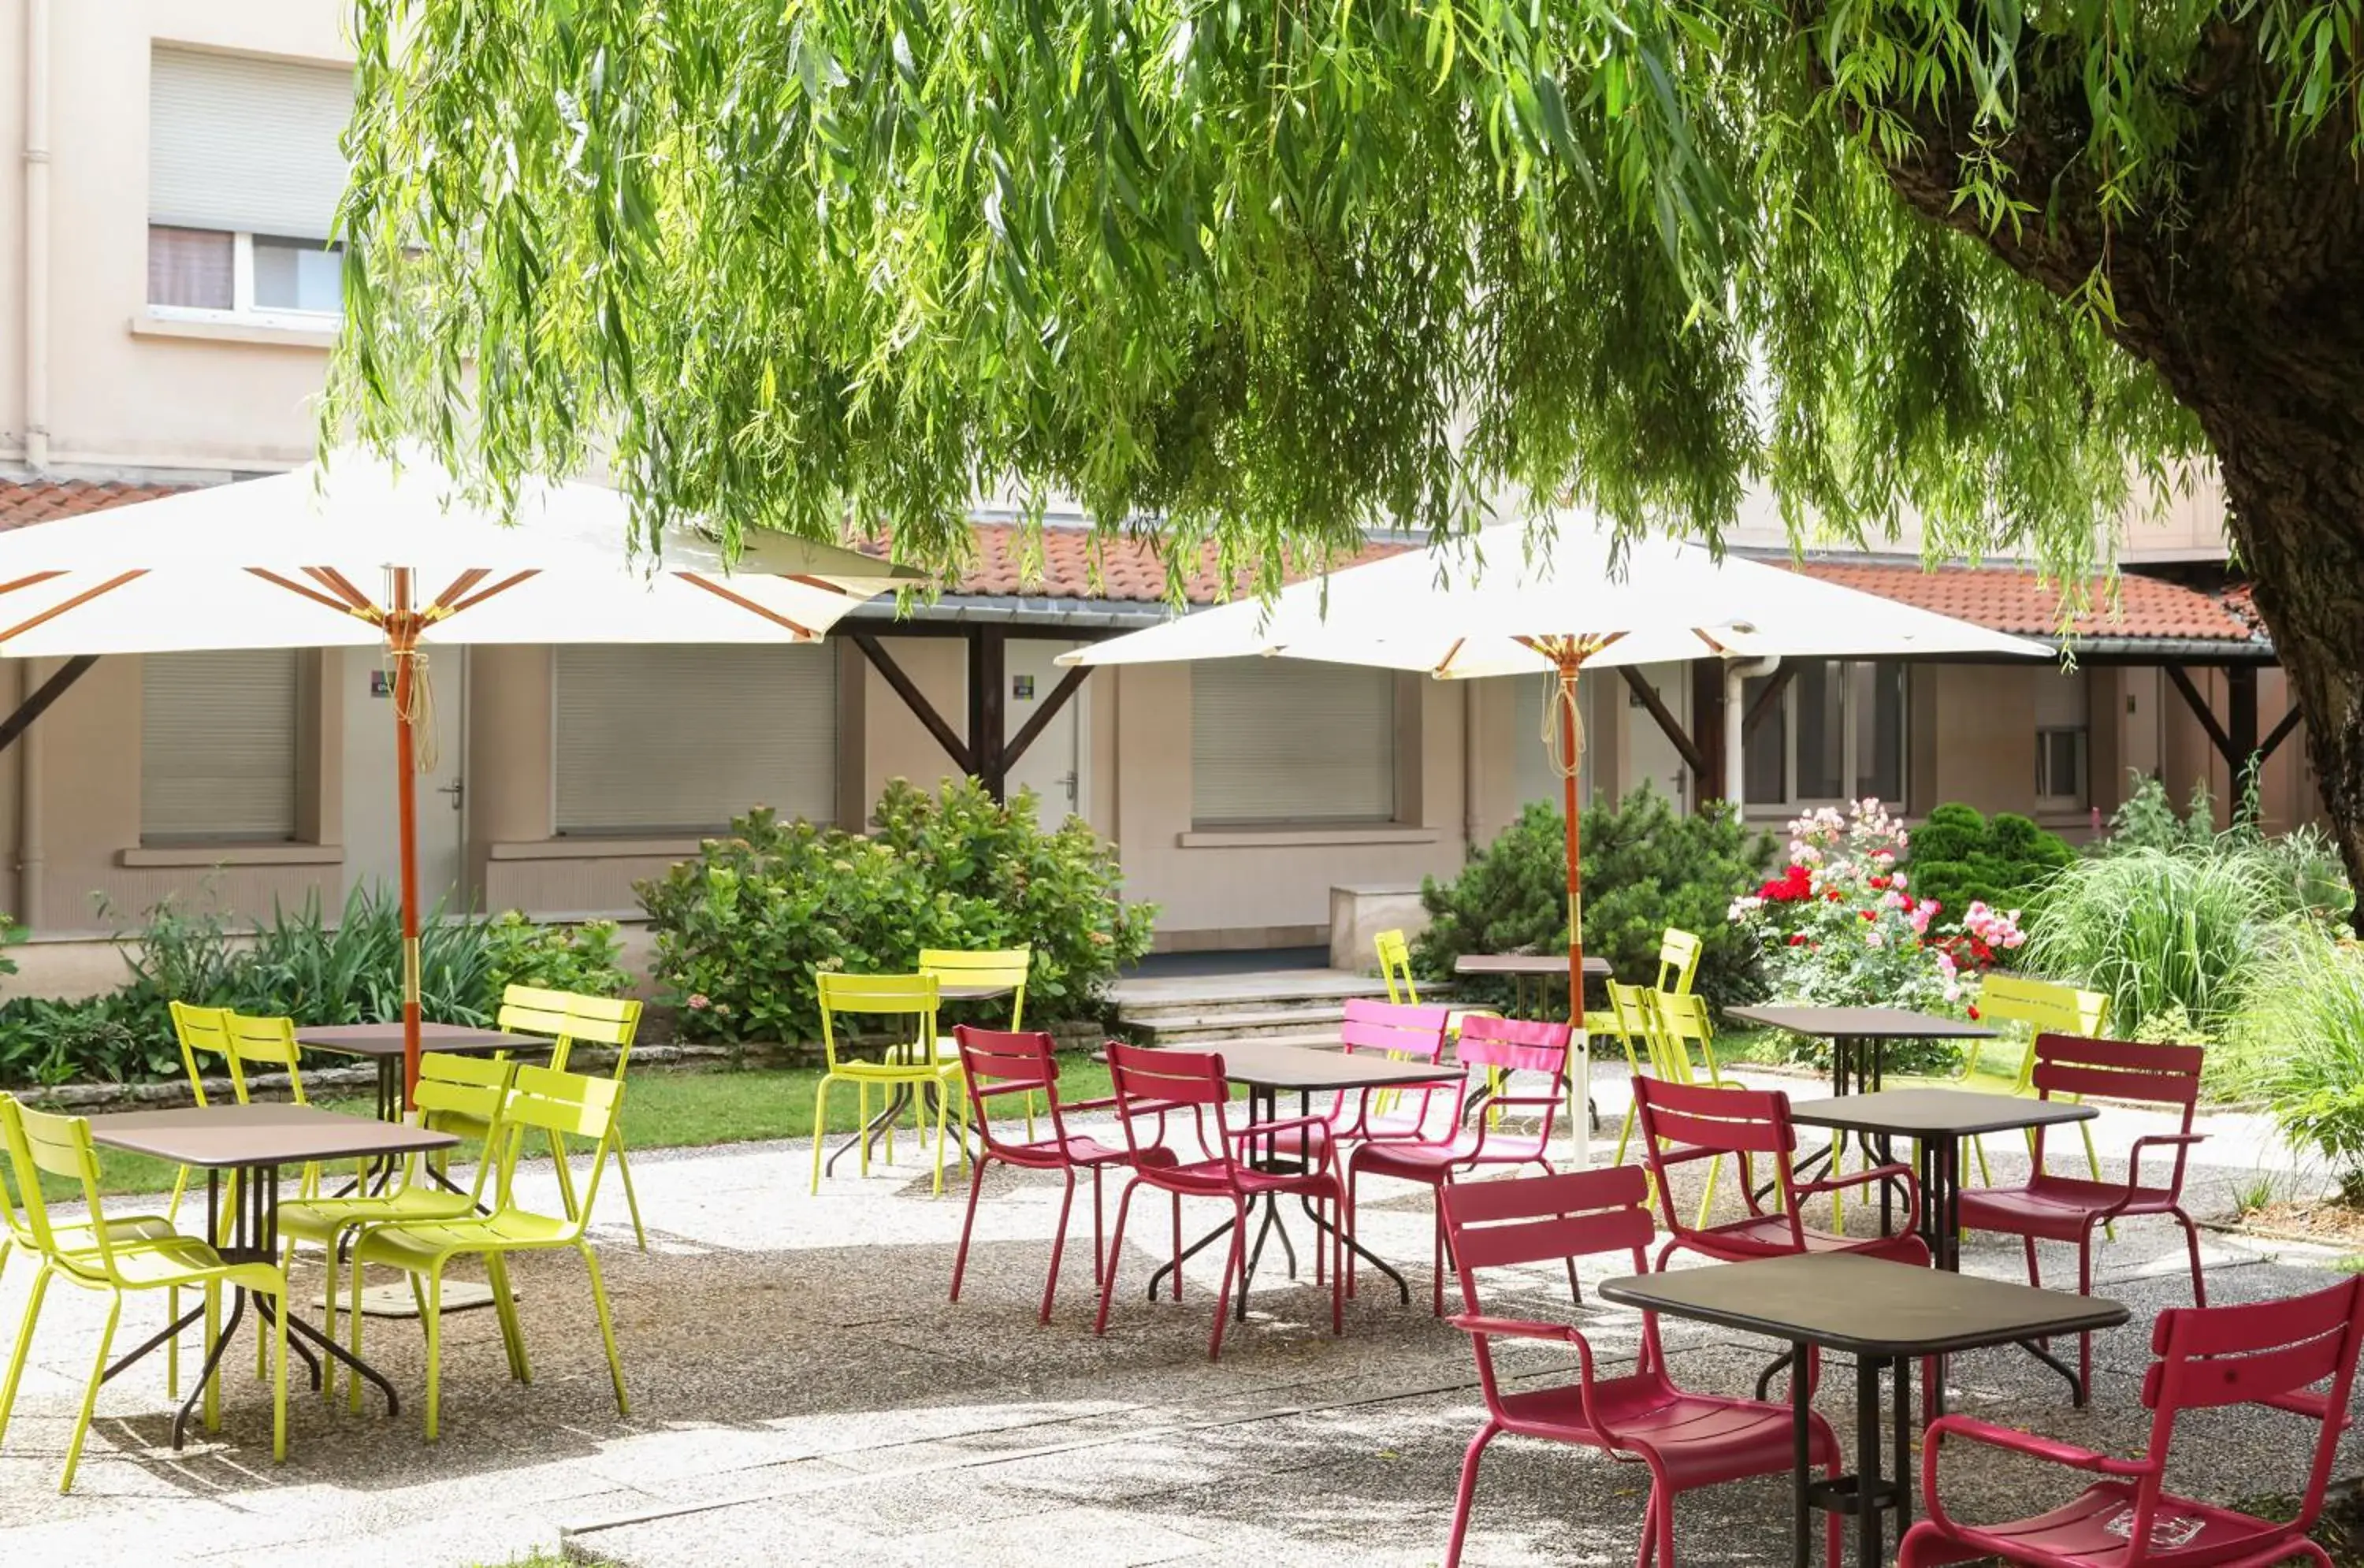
218,739
679,739
1278,740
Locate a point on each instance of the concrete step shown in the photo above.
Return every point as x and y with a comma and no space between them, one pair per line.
1313,1040
1236,1023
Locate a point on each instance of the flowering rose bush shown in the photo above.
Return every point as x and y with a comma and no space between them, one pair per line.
1841,926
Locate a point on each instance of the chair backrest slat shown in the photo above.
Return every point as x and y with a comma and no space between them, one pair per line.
1406,1031
1678,959
533,1009
1515,1045
2119,1069
203,1031
877,994
1395,967
1174,1077
985,966
2045,1005
1535,1219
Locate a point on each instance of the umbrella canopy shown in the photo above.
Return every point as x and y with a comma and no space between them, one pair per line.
1503,604
356,551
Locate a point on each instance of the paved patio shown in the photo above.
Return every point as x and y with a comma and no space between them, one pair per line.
802,1393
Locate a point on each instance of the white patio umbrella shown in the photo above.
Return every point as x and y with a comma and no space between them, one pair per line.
1495,607
354,552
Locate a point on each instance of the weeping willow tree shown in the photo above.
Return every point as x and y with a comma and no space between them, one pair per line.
1255,276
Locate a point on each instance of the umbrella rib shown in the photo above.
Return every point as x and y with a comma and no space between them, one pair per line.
85,596
823,583
444,604
338,581
719,591
33,580
367,612
453,606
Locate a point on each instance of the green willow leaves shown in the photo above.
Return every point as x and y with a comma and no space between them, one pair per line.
1261,275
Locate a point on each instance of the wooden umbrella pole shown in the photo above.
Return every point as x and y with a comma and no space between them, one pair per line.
402,645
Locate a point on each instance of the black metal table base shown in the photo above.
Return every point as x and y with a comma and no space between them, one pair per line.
1866,1495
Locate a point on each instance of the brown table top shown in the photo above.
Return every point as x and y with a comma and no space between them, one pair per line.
1268,1065
1864,1306
1859,1023
1936,1113
221,1138
1527,963
385,1040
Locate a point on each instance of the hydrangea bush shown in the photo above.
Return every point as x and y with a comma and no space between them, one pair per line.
1842,926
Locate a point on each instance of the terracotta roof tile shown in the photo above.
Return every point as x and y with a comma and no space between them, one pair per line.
1130,570
2015,599
27,502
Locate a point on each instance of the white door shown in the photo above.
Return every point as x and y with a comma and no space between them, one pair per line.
1053,765
372,844
1652,756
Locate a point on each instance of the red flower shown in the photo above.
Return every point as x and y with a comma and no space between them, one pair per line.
1871,913
1795,884
1797,938
1877,882
1833,895
1974,1012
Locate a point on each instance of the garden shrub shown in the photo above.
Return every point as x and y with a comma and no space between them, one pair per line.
742,927
1961,858
2300,1044
1645,867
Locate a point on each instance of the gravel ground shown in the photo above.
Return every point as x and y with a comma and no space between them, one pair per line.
803,1392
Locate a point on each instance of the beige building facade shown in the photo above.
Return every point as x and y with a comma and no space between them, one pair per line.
168,169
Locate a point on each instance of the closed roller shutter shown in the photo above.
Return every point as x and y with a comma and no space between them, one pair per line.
1286,740
217,746
683,738
235,142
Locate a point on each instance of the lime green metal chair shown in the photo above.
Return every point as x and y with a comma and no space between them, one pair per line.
200,1032
610,1021
986,966
2046,1008
1395,968
911,1064
1678,959
452,1092
562,1106
1682,1047
116,1258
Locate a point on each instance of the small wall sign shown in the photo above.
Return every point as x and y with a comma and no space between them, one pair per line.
381,684
1021,688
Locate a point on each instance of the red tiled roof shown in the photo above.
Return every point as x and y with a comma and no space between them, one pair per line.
45,500
1129,568
2014,599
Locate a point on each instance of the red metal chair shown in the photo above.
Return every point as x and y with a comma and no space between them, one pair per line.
2050,1208
1686,1439
997,1064
1503,1045
2273,1353
1684,1122
1230,1165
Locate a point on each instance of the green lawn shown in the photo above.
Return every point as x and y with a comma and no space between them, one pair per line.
662,1109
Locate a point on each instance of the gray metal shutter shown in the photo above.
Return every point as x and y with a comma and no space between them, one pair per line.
1289,741
217,746
243,143
682,739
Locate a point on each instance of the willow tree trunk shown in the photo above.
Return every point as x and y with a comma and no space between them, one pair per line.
2249,302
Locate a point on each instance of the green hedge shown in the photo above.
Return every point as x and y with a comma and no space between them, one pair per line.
1959,857
742,927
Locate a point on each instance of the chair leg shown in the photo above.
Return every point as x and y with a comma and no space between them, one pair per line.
431,1316
496,1270
564,1175
24,1351
2085,1339
1437,1275
1234,1258
1178,1246
1116,1248
960,1257
606,1325
279,1374
2093,1166
1468,1493
211,1410
1347,1209
1624,1136
172,1346
1707,1198
943,1102
354,1380
1835,1522
821,1127
1058,1237
2191,1243
632,1198
90,1391
333,1278
1100,1252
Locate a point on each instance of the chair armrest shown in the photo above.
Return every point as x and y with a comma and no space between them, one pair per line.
1480,1114
1106,1102
1867,1177
1265,1132
1511,1327
2048,1450
2152,1140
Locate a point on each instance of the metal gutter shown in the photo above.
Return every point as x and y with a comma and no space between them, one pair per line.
1003,609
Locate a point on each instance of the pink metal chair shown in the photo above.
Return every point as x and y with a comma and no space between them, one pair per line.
1506,1045
1169,1084
2271,1353
1408,1033
1686,1439
2051,1207
1684,1122
996,1065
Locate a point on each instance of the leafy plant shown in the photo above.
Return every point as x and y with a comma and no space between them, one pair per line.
2301,1041
1645,867
1961,858
742,927
587,959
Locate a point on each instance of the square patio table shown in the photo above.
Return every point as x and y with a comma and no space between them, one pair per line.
1886,1316
252,1142
1937,1121
1266,1070
381,1044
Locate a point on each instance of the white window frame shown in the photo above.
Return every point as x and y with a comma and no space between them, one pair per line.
1850,732
243,311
